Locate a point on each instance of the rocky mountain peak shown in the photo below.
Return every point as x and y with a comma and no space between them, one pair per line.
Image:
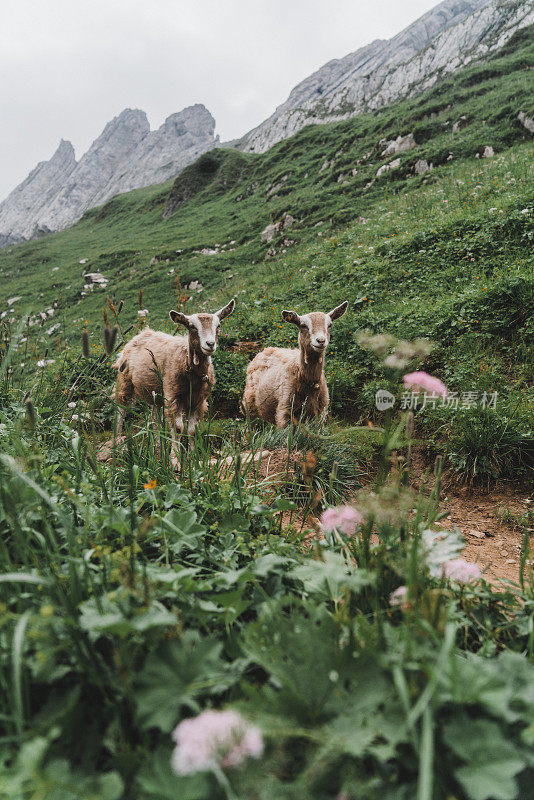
125,156
64,153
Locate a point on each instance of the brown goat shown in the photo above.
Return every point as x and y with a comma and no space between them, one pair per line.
282,383
171,371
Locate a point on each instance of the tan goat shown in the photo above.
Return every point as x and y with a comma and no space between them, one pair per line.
171,371
283,384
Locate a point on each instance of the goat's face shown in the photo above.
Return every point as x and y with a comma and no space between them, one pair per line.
315,327
203,329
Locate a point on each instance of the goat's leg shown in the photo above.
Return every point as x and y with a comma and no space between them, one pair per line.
195,417
175,418
124,396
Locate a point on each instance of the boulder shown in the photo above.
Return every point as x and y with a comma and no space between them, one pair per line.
399,145
526,121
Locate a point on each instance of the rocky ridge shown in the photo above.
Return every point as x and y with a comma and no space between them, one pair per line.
448,37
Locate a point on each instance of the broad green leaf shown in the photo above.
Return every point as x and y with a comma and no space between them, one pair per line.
331,577
175,676
492,761
158,781
123,621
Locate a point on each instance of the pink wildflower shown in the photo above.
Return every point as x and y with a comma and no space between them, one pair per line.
458,569
343,518
214,739
422,380
399,596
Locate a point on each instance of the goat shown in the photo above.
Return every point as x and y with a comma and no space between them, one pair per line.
171,371
282,383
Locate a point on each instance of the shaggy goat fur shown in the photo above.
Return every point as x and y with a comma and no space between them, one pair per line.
171,371
283,384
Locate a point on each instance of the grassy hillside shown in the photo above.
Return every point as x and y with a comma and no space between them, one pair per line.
213,631
447,254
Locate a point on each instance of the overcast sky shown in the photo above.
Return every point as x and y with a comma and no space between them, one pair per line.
69,66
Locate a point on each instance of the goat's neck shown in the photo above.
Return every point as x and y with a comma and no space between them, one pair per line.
311,365
198,362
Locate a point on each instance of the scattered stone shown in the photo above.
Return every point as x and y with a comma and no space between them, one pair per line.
459,123
96,277
288,221
422,166
387,167
53,329
477,534
485,152
55,269
83,260
269,232
12,300
526,121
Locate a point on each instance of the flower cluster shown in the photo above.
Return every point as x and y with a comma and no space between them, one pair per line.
212,740
402,353
460,570
344,519
426,382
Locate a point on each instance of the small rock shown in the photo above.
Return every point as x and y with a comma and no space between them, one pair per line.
486,151
84,260
12,300
458,124
478,534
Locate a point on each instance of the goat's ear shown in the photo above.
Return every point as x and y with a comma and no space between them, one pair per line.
224,312
338,311
291,316
179,318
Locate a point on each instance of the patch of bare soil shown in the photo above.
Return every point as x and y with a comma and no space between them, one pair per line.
488,521
491,541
